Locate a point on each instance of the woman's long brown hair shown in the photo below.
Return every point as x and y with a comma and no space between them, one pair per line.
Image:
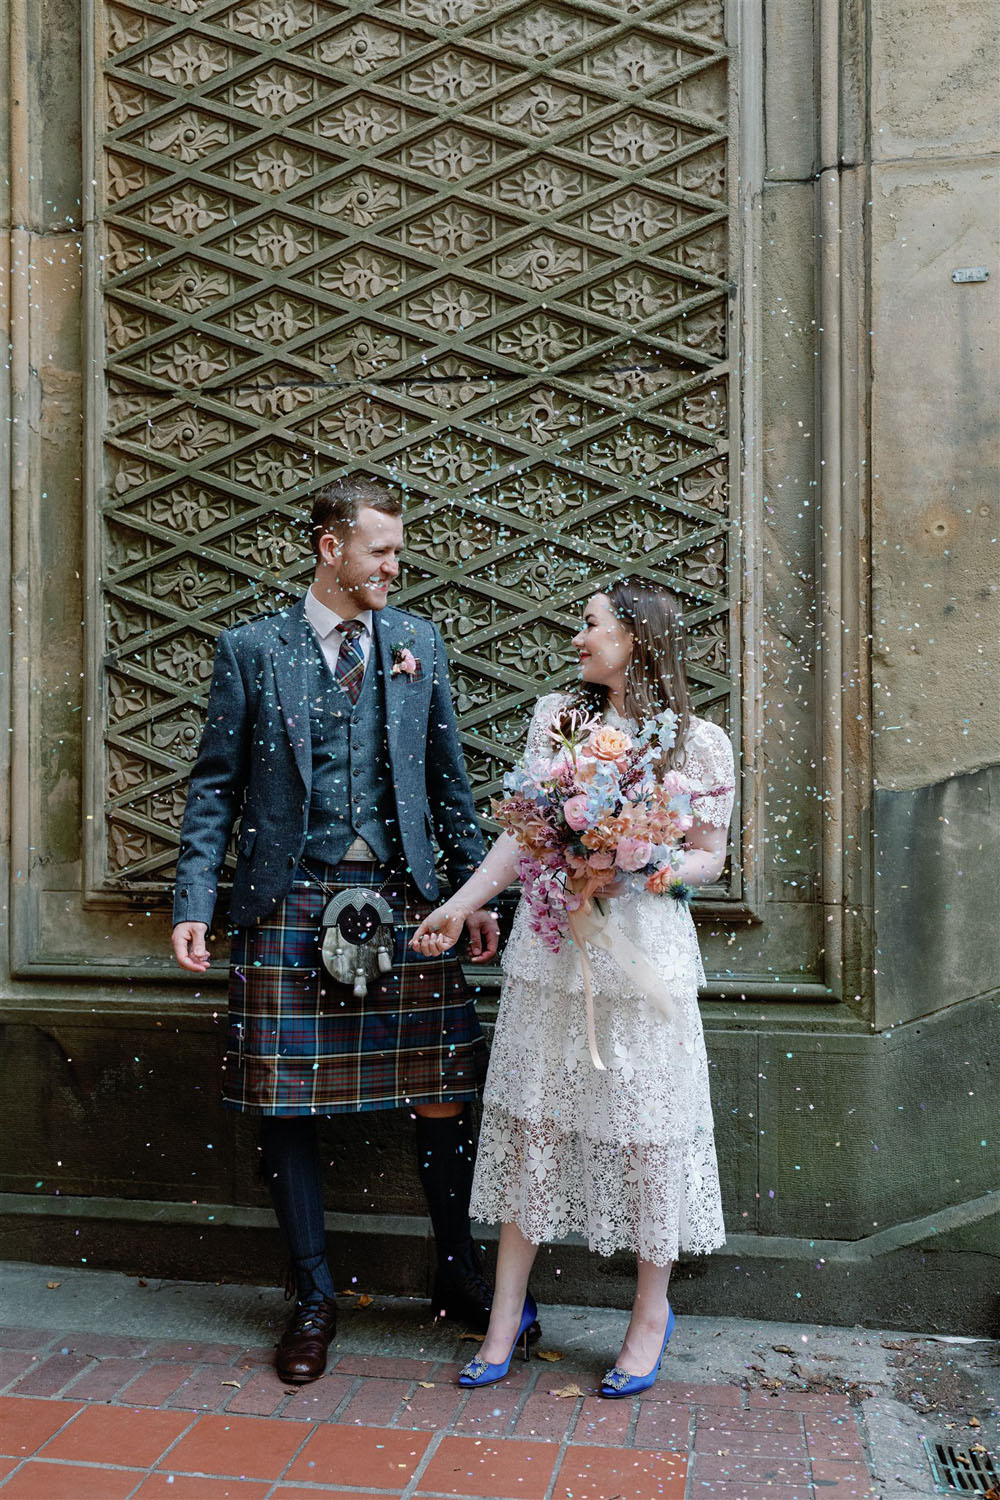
654,678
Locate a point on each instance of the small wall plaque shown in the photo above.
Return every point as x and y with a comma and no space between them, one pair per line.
971,273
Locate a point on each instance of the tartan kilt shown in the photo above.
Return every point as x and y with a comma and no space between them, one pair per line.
299,1043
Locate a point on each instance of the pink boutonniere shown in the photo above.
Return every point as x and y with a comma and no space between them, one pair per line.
405,664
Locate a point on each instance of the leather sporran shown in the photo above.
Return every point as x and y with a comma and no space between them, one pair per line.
358,939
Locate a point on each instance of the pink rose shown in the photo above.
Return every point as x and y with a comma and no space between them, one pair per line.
676,785
405,662
575,813
633,854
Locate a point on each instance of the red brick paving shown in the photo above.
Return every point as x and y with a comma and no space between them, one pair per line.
90,1417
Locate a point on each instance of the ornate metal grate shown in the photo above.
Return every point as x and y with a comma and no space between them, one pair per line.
479,249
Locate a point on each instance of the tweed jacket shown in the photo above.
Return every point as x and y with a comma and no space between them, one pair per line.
254,764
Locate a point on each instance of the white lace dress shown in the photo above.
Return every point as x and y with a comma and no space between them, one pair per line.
625,1157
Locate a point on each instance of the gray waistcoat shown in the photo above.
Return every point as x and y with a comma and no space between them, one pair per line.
352,790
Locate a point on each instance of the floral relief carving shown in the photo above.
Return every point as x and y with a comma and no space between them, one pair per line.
179,734
275,242
124,326
633,141
275,318
189,584
122,251
124,28
635,217
189,135
452,385
168,806
634,295
362,351
190,286
450,307
189,60
124,698
361,426
452,154
269,395
541,262
452,230
451,77
540,340
124,101
541,185
273,93
541,31
363,198
189,210
706,486
127,846
184,658
707,565
124,177
274,548
544,415
362,122
274,168
362,275
188,361
705,330
362,47
450,538
124,771
446,12
188,434
272,467
636,62
451,460
708,646
540,108
188,510
274,20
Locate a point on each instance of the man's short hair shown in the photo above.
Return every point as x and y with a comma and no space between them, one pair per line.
336,505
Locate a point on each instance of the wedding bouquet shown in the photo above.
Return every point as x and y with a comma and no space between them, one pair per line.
599,813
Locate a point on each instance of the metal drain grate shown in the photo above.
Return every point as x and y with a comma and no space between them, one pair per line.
963,1471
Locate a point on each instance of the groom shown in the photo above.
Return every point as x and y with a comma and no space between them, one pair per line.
331,737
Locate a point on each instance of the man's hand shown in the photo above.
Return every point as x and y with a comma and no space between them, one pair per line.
484,935
188,943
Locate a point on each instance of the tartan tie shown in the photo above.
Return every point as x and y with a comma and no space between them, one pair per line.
350,668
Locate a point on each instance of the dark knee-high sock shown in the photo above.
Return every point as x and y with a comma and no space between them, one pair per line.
446,1159
291,1167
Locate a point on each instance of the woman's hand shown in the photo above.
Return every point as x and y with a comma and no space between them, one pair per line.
439,931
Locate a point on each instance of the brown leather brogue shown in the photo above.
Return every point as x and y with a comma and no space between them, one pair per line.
301,1354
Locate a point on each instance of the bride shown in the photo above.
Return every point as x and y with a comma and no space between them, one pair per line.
625,1156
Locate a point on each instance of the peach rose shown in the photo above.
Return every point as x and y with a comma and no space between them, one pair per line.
608,743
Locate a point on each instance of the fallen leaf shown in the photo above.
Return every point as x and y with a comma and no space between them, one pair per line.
230,1382
471,1338
782,1349
567,1392
973,1421
426,1385
364,1300
552,1355
51,1285
143,1283
977,1448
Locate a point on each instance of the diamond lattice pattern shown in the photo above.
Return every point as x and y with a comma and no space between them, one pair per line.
478,249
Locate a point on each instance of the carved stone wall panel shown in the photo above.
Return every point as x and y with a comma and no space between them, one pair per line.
480,250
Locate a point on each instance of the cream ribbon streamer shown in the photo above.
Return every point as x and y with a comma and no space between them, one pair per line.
591,924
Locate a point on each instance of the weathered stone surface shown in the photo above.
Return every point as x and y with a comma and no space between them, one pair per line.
937,900
790,125
936,558
934,78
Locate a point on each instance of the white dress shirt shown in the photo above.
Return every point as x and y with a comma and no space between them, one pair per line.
324,622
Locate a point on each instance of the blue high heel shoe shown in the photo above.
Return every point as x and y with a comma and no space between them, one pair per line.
481,1372
618,1383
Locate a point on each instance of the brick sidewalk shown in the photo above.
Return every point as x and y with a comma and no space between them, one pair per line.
89,1417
